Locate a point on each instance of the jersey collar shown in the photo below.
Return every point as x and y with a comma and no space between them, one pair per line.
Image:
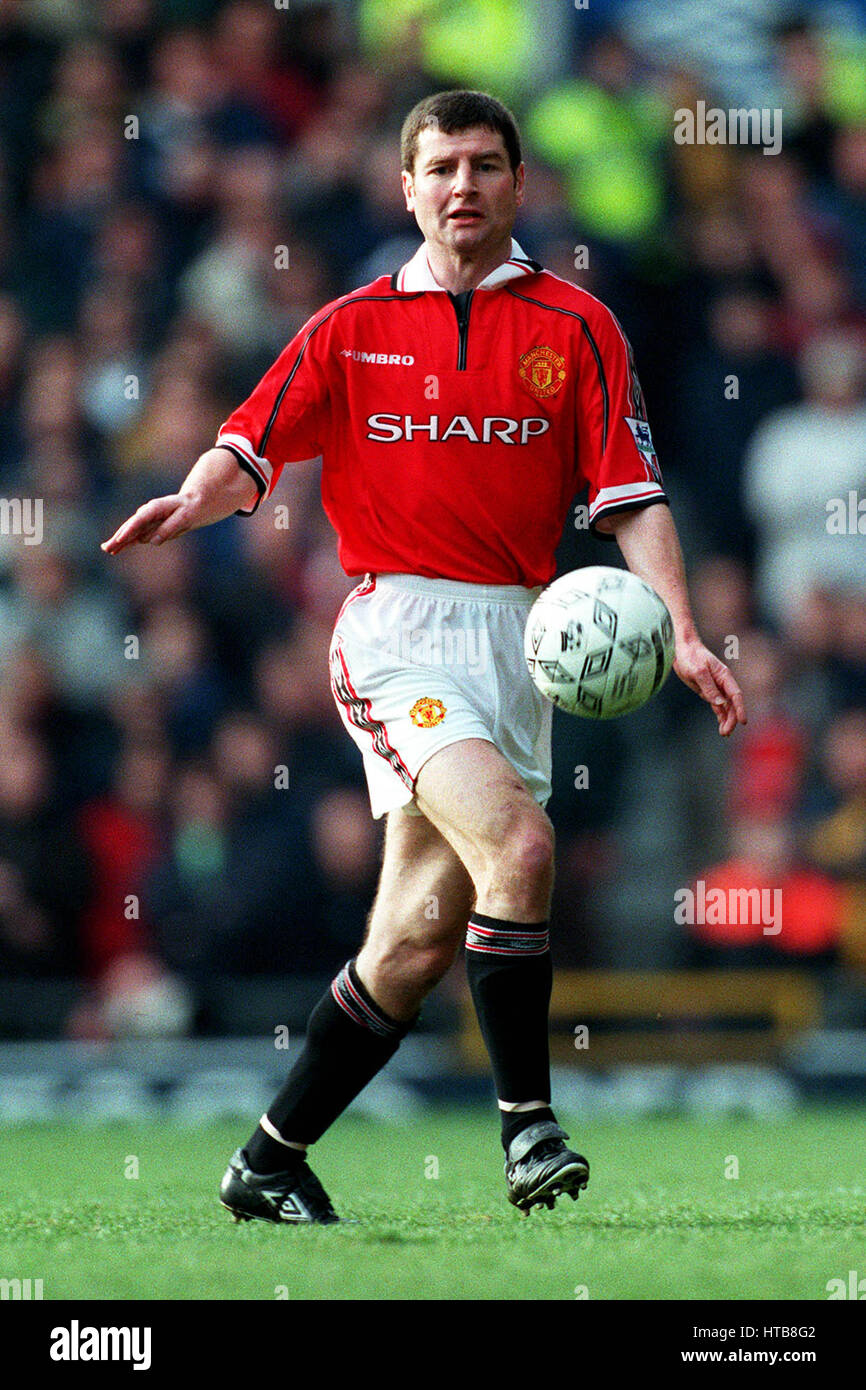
416,274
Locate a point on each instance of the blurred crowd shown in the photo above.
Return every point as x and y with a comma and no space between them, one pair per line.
182,184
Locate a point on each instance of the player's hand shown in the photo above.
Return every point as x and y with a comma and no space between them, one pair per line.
156,521
710,678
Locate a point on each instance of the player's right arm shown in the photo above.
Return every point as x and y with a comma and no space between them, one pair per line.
281,421
214,489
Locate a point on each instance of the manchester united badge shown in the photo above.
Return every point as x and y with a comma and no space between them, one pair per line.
542,371
427,712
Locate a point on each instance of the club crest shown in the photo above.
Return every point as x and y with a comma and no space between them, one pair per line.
542,371
427,712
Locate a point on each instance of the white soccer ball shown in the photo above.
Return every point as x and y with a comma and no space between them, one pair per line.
599,642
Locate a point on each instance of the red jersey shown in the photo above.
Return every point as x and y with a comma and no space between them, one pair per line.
455,430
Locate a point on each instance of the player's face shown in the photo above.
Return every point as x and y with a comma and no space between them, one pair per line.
462,190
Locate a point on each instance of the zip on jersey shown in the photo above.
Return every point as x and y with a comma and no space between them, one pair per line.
462,304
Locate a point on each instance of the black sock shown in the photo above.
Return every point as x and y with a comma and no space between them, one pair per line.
510,977
349,1039
514,1122
267,1155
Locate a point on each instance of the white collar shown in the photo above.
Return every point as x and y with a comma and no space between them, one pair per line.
417,275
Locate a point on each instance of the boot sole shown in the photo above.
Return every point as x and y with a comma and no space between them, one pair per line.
570,1181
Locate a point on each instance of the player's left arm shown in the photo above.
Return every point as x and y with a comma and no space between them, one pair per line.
649,542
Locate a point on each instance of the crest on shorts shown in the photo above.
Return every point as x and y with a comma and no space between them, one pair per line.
427,712
542,371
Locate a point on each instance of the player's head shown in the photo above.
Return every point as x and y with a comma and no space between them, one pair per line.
463,174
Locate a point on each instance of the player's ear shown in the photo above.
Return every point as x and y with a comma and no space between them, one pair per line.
408,189
520,184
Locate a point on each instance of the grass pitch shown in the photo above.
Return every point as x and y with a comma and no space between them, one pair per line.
660,1219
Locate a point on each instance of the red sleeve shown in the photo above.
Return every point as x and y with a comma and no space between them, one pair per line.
281,421
615,447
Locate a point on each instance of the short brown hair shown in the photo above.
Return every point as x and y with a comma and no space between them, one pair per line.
451,112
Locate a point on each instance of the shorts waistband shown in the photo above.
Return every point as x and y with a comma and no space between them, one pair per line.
458,589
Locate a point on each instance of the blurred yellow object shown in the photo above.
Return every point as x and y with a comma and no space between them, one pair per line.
838,843
483,43
853,936
606,149
845,88
690,1017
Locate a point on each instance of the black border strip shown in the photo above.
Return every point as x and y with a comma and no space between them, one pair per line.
248,468
635,506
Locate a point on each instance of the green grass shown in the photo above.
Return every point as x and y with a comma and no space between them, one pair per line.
659,1220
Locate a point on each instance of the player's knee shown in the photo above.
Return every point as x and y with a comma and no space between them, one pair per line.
530,850
527,853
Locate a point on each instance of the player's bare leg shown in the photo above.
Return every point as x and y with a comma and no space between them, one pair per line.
414,932
418,920
488,815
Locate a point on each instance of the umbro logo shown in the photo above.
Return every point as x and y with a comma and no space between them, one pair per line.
379,359
291,1208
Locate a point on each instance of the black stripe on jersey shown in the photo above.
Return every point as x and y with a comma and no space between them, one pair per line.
638,408
636,392
363,299
602,379
637,400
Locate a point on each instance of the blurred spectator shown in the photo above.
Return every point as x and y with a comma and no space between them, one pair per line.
802,57
507,47
263,95
843,200
78,626
176,647
606,131
734,374
763,903
74,185
231,895
136,997
346,846
802,464
121,833
226,287
837,841
767,766
43,869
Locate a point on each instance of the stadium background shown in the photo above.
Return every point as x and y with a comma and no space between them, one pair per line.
182,185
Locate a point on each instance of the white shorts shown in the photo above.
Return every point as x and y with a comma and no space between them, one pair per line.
419,663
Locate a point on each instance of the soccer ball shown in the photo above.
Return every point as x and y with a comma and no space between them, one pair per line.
599,642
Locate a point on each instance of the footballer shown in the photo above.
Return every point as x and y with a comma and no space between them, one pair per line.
458,406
